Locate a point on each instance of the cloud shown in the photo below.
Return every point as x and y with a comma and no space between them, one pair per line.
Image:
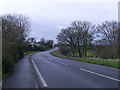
59,27
50,16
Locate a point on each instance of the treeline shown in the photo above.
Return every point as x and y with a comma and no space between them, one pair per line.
31,44
82,36
15,29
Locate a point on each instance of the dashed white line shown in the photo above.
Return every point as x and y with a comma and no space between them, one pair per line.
100,74
50,59
40,76
63,63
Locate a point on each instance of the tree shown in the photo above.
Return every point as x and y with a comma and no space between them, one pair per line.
15,29
67,37
78,37
49,43
109,30
109,38
84,34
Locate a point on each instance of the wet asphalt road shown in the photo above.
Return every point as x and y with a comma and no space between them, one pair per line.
64,73
61,73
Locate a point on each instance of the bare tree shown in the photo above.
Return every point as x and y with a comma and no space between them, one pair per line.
15,27
109,30
84,34
67,37
78,37
109,37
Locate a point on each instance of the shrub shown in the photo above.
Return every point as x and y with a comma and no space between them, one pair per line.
64,50
7,64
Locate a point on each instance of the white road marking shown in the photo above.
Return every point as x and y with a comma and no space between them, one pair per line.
100,74
96,65
63,63
50,59
1,84
41,78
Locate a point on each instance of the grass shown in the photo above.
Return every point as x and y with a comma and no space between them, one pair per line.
29,52
114,64
90,53
5,75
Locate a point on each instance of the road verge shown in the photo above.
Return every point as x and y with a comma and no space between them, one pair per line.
113,64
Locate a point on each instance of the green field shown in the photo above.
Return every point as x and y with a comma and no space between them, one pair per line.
114,64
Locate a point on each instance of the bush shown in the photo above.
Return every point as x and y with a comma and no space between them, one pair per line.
42,48
64,50
7,64
11,53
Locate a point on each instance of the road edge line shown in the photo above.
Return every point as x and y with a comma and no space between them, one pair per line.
38,74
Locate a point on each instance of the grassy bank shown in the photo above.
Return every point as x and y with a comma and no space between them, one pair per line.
29,52
114,64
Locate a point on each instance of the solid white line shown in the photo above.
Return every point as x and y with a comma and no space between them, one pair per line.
1,83
41,78
63,63
100,74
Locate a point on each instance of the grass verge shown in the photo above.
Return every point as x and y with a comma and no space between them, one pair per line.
29,52
114,64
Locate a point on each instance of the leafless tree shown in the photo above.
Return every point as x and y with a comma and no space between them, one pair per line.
67,37
15,27
84,34
78,37
109,37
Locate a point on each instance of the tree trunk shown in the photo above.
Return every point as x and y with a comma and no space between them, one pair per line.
80,54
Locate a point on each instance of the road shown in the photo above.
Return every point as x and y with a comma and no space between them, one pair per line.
54,72
63,73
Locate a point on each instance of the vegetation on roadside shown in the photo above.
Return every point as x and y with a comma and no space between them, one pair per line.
109,63
29,52
14,32
16,44
81,36
86,42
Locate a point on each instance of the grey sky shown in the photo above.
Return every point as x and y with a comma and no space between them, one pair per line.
49,16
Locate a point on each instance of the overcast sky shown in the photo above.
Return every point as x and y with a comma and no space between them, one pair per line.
49,16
